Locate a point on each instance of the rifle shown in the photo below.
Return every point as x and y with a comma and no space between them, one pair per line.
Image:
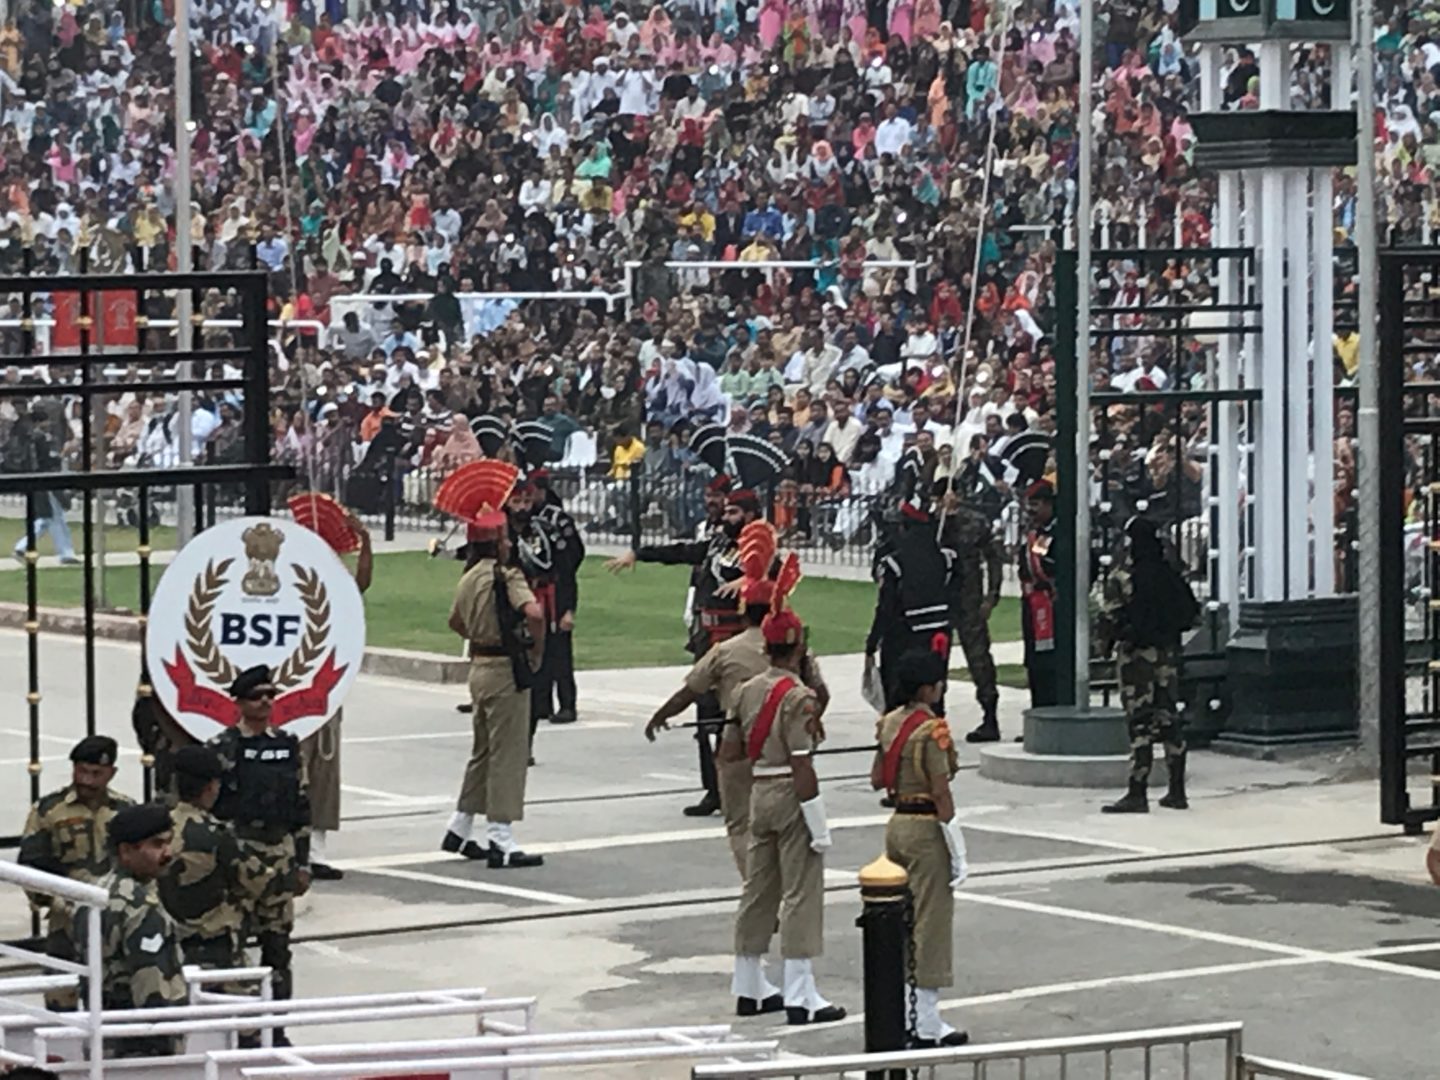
514,637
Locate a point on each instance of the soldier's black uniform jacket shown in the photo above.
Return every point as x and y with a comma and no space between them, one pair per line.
262,793
568,552
534,553
714,558
917,599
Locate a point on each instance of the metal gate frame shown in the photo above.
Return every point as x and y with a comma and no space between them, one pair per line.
254,473
1406,734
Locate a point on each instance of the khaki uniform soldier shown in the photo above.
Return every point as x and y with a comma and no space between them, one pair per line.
141,962
490,603
321,751
915,764
263,797
67,834
202,888
785,867
1147,606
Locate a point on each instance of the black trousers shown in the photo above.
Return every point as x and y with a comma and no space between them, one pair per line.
561,646
542,687
707,738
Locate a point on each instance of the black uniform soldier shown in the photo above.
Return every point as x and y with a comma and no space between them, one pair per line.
494,784
141,961
263,796
569,553
979,570
1037,595
67,834
715,559
533,547
159,736
202,887
915,604
1148,605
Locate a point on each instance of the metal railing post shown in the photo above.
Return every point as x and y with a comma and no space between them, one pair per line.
390,481
636,471
885,946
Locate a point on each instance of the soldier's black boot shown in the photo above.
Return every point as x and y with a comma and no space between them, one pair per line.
1175,798
989,729
710,804
1133,801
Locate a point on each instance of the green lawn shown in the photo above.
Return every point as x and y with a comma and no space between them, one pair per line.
117,537
629,621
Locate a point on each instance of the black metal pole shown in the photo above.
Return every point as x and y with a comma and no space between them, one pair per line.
257,400
390,479
146,690
1070,488
1390,467
885,946
89,304
635,506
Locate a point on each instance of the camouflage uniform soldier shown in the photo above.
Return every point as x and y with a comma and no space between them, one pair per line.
915,764
141,962
263,796
67,834
979,570
202,887
1147,606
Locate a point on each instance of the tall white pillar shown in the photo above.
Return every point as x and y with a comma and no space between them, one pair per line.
1296,338
1322,368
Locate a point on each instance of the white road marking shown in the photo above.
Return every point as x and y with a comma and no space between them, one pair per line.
395,799
583,725
595,843
332,952
670,777
477,886
1064,838
1358,958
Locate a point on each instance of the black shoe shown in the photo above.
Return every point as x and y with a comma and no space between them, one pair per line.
279,1038
888,802
1175,798
1133,801
501,860
465,707
470,849
746,1006
453,842
564,716
325,872
797,1015
986,732
710,804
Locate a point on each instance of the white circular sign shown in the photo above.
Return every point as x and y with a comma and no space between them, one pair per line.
255,591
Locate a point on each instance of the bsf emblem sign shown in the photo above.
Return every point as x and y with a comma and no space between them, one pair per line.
255,591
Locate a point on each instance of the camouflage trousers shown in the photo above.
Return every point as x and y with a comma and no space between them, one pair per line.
973,632
217,953
268,879
1149,692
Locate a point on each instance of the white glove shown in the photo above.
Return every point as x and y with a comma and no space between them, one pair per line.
955,841
814,812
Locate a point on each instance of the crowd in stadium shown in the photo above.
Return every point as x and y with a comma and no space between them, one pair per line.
526,147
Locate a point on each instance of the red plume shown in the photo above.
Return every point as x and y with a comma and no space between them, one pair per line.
321,514
758,544
476,492
785,582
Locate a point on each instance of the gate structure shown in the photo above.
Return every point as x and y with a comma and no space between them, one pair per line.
1409,490
77,394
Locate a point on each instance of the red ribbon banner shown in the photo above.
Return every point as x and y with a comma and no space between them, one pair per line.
312,700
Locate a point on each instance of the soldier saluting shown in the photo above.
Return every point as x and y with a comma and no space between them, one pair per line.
263,796
202,886
67,834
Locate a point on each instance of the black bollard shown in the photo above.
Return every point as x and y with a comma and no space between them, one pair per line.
885,894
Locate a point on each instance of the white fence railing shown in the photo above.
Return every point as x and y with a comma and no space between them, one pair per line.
1208,1051
86,1025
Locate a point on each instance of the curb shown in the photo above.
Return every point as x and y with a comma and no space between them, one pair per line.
407,664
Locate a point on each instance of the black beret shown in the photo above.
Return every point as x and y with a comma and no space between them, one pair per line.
246,682
198,761
136,823
920,667
95,750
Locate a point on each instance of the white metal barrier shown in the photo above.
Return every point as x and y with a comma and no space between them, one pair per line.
91,898
1193,1051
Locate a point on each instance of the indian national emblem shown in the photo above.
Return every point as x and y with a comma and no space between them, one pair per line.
262,548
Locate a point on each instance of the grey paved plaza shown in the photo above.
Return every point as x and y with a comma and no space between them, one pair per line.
1278,900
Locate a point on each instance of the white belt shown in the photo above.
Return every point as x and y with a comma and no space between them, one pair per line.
767,772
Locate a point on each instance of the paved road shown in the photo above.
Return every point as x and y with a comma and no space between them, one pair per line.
1278,900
